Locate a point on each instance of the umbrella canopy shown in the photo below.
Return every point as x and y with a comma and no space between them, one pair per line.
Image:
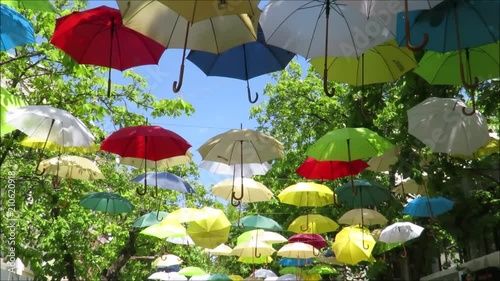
181,240
247,169
71,167
107,202
400,232
363,217
163,231
383,163
330,170
298,250
16,29
295,261
221,250
424,206
50,124
35,5
192,271
291,270
259,222
313,223
184,215
254,260
210,231
159,276
260,235
440,123
141,163
167,260
7,103
263,273
493,146
289,277
315,240
353,244
253,248
348,144
307,194
219,277
164,180
50,146
253,191
148,219
410,186
367,193
322,269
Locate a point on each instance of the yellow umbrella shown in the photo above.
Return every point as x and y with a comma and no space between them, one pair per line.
211,230
51,146
268,237
493,146
298,250
183,215
163,231
313,223
161,164
255,260
221,250
307,194
410,186
384,162
253,191
71,167
235,277
167,260
311,277
253,248
362,217
353,245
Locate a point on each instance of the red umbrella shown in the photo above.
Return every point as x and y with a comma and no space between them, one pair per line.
87,36
147,142
315,240
330,170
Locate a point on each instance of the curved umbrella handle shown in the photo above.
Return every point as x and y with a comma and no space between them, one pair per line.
367,246
408,34
36,170
237,198
307,224
141,193
314,252
472,86
404,254
257,255
158,216
238,202
328,93
249,94
176,86
66,202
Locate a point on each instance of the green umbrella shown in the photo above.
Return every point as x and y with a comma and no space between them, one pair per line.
148,219
382,247
8,102
348,144
219,277
322,269
444,69
291,270
258,222
107,202
191,270
367,193
36,5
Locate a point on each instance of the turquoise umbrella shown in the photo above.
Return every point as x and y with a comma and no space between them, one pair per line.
16,29
148,219
367,193
258,222
107,202
219,277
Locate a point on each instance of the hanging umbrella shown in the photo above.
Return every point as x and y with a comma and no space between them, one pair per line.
71,167
192,271
268,237
254,260
147,142
493,146
253,191
199,10
291,270
263,273
295,261
441,125
253,248
167,163
8,102
307,194
16,29
367,193
211,231
400,232
247,169
98,37
258,222
164,180
313,223
298,250
289,277
51,146
330,170
221,250
181,240
411,186
148,220
319,29
353,244
167,260
106,202
243,62
163,231
184,215
363,217
164,25
159,276
383,163
424,206
219,277
35,5
322,269
315,240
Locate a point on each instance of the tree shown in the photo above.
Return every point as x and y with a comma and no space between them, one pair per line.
298,113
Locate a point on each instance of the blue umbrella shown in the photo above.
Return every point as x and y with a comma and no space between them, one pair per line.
428,207
243,62
164,180
168,269
478,24
295,262
16,29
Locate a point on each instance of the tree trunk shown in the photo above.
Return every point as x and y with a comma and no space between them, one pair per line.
112,273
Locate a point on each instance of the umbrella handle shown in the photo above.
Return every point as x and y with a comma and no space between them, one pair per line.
158,216
176,87
141,193
316,254
408,34
233,200
367,246
404,252
236,198
249,94
307,224
66,202
328,93
257,255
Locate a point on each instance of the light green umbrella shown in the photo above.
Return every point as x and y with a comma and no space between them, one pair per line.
291,270
8,102
107,202
348,144
322,269
191,271
148,219
36,5
258,222
482,62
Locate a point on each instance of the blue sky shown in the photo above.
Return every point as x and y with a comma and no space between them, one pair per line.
221,103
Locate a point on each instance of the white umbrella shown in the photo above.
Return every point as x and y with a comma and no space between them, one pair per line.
440,123
200,277
167,260
251,191
249,169
50,124
174,276
400,232
289,277
159,276
263,273
181,240
271,278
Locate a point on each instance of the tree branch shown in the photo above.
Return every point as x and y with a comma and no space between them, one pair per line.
112,273
20,57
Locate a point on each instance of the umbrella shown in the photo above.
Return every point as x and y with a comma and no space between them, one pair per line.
71,167
383,163
51,146
424,206
221,250
330,170
98,37
367,193
362,217
199,10
192,271
253,248
35,5
253,191
107,202
313,223
181,240
289,277
254,260
164,25
16,29
167,260
410,186
320,28
400,232
353,244
184,215
167,163
295,261
219,277
247,169
322,269
240,147
298,250
243,62
263,273
164,180
147,220
260,235
493,146
200,278
147,142
258,222
7,103
210,231
315,240
236,277
163,231
291,270
441,125
307,194
159,276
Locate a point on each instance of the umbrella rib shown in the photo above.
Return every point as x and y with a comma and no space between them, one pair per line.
215,36
286,18
314,30
94,36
